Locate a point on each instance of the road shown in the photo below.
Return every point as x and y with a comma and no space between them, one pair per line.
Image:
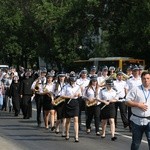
23,134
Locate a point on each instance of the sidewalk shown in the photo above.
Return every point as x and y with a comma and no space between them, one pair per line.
6,144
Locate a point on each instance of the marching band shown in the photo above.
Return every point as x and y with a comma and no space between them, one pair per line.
99,95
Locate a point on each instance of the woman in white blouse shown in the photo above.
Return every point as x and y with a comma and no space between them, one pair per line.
71,92
109,95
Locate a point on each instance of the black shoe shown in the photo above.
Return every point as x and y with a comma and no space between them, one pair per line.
97,133
67,138
88,131
102,136
52,128
56,132
63,135
76,140
114,138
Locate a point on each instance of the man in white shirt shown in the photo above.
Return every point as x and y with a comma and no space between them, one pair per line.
133,82
138,99
120,86
83,81
101,80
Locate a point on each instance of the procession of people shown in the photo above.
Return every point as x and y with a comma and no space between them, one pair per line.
62,96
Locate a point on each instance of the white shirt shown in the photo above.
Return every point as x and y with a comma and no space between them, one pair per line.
70,90
90,93
50,87
41,82
60,88
133,82
101,80
120,87
108,94
137,94
83,82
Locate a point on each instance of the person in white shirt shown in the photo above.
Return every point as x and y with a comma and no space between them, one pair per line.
101,80
92,71
91,94
120,87
129,71
38,88
48,107
71,92
109,95
138,99
58,87
133,82
83,82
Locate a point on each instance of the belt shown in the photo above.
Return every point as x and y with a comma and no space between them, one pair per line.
148,117
121,98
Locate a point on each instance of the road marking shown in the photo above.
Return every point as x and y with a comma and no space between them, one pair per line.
123,135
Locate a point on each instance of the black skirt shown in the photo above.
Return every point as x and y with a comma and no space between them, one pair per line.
60,110
71,108
108,111
47,103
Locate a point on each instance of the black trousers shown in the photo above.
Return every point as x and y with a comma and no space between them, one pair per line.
39,106
81,108
26,106
16,105
93,111
123,112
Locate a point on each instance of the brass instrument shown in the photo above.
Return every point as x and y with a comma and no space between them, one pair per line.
91,102
58,100
36,88
112,76
125,76
48,93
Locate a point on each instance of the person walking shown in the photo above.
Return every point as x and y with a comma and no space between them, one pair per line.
38,87
91,94
120,86
58,87
138,99
108,112
15,94
71,92
49,111
26,94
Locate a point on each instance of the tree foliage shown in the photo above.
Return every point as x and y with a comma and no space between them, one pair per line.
60,31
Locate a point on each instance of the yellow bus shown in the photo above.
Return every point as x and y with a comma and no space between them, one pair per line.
117,62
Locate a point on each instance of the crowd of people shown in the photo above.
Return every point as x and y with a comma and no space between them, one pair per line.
64,96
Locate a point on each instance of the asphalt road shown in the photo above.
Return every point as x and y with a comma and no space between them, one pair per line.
23,134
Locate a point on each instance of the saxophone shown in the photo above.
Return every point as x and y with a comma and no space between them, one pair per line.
58,100
48,93
91,102
36,88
